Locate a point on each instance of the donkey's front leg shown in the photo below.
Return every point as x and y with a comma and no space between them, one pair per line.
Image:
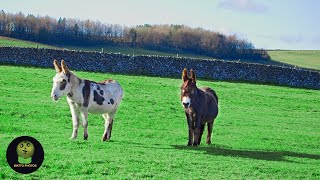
84,115
197,130
201,132
75,119
190,130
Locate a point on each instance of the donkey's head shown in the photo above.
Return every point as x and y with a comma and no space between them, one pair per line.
61,81
188,88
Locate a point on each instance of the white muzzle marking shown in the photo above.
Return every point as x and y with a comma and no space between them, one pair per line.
186,102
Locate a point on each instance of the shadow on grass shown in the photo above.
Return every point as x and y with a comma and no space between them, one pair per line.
219,150
253,154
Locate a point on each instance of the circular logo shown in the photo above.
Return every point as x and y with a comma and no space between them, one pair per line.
25,154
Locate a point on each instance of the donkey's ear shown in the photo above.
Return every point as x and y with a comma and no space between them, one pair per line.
56,66
192,76
64,66
184,75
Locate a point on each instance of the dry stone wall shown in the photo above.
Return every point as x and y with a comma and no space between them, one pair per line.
162,66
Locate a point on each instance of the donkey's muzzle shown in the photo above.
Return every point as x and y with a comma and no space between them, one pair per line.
186,105
54,97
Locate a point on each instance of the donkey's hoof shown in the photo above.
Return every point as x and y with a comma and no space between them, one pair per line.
208,142
85,137
73,138
104,139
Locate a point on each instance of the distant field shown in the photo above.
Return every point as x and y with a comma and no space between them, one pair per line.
134,51
5,41
303,58
308,59
262,132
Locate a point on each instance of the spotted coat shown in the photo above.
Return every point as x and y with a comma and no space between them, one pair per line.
85,96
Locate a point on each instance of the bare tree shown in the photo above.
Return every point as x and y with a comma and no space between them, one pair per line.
174,38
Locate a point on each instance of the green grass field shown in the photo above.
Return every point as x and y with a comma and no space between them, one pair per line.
302,58
262,132
5,41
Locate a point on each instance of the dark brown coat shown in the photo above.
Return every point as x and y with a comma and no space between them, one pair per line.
201,107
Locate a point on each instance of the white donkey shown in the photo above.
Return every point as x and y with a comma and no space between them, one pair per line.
86,96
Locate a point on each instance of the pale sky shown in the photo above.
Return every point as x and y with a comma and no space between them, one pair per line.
273,24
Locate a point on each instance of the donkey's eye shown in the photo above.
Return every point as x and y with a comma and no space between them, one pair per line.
63,81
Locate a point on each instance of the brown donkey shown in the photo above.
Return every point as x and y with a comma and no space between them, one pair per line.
200,105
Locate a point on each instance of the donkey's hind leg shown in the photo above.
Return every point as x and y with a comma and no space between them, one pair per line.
107,126
210,124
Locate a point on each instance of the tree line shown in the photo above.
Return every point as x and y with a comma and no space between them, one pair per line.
169,38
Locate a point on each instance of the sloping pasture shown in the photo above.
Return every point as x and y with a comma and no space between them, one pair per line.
262,131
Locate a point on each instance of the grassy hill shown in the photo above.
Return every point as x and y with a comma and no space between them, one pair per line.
262,132
302,58
306,59
5,41
135,51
